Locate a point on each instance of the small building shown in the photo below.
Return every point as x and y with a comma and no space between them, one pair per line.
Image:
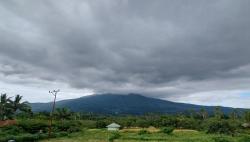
113,127
246,125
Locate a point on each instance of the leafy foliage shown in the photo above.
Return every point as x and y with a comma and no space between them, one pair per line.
33,126
68,126
221,139
113,136
221,127
167,130
143,131
9,107
101,124
245,139
247,116
6,110
63,113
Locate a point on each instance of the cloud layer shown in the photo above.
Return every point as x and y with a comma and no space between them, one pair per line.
164,49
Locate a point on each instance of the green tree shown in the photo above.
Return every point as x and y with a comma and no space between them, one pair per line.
221,127
218,114
247,116
167,130
63,113
203,114
142,123
6,111
192,113
234,114
76,116
9,107
18,105
101,124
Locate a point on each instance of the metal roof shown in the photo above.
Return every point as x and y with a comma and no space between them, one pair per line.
113,125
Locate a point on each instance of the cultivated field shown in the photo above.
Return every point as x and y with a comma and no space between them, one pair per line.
131,135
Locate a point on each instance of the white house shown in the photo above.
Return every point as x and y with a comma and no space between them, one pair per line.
113,127
246,125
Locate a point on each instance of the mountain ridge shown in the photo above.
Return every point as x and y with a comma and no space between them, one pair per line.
125,104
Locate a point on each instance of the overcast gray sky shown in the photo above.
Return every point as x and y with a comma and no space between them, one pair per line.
194,51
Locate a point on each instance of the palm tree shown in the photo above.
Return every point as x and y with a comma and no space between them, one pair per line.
9,107
63,113
5,107
18,105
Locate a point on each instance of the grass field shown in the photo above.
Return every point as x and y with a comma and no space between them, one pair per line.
131,135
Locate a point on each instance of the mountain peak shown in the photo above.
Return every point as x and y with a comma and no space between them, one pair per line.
131,103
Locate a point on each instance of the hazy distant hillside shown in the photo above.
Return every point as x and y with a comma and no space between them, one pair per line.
123,104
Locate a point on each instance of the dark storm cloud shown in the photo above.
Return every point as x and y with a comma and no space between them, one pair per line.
126,45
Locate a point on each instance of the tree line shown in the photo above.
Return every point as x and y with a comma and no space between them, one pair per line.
10,106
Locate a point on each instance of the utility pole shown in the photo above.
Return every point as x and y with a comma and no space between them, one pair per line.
54,93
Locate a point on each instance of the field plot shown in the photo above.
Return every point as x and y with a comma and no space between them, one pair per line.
132,135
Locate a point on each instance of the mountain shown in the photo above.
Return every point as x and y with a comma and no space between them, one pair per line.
124,104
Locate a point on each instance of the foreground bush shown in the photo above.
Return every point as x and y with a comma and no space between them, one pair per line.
188,123
221,139
167,130
88,124
33,126
142,132
221,127
245,139
14,130
34,130
101,124
68,126
31,137
23,138
113,136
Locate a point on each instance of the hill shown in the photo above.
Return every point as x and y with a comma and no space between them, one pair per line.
124,104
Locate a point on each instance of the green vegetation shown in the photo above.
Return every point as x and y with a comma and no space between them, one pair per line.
99,135
113,136
8,107
167,130
34,129
143,132
221,127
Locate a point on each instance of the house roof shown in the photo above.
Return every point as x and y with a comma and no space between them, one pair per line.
113,125
246,125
